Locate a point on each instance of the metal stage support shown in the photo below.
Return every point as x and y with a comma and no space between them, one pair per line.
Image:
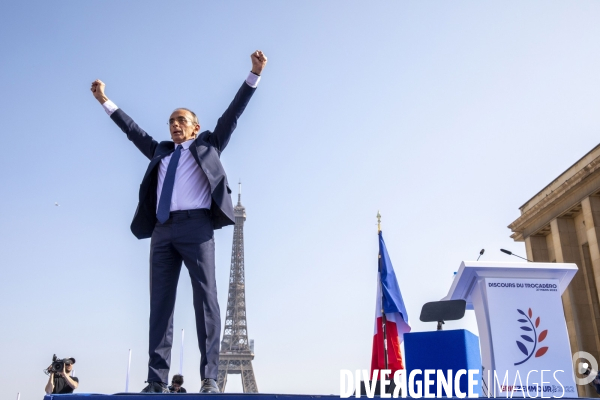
236,353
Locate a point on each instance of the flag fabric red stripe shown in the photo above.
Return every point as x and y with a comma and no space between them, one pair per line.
393,346
389,299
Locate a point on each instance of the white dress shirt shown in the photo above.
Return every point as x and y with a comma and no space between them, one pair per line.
192,189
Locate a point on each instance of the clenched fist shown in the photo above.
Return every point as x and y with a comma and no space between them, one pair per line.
259,60
98,91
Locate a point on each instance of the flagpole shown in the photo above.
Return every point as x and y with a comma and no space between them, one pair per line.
383,319
127,377
181,355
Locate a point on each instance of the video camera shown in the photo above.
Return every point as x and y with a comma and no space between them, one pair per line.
58,364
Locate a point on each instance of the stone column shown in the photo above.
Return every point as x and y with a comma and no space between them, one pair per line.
590,208
537,249
576,302
591,215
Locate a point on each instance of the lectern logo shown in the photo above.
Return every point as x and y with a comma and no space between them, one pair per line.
527,338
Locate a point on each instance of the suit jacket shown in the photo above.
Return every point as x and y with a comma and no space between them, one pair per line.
206,149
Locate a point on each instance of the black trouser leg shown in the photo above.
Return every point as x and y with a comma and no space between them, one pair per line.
165,265
194,241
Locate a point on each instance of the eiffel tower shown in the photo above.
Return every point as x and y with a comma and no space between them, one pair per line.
236,355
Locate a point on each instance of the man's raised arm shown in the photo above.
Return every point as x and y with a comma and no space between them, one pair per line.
137,135
98,92
228,121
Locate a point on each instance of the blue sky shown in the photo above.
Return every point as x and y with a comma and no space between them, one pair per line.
445,116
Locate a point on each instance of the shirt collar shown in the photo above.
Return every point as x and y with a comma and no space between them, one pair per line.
186,145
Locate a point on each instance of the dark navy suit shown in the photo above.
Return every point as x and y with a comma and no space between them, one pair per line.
187,237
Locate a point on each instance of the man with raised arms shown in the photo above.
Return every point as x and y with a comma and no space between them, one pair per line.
183,197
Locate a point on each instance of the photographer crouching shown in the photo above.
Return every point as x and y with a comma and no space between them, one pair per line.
176,383
60,380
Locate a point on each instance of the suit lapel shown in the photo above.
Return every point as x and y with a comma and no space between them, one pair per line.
199,148
163,150
194,151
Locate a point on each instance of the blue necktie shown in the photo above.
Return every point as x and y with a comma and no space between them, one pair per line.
164,204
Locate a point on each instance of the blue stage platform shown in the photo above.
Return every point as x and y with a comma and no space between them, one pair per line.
188,396
223,396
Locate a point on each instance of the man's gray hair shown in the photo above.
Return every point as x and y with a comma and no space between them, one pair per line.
194,117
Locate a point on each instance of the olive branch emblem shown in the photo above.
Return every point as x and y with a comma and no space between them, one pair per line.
527,338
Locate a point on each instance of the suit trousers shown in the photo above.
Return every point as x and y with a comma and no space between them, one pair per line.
187,236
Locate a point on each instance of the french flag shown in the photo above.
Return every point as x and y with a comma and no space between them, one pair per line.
389,299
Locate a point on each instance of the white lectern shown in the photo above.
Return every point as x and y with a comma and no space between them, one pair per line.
522,330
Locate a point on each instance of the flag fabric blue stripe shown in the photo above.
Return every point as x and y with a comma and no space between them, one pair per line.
392,298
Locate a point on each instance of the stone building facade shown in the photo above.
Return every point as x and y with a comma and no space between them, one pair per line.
561,223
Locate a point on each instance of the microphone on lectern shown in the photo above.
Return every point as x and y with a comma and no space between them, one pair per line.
481,253
510,253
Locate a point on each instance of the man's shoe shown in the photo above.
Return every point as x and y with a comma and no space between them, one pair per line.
209,386
155,387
